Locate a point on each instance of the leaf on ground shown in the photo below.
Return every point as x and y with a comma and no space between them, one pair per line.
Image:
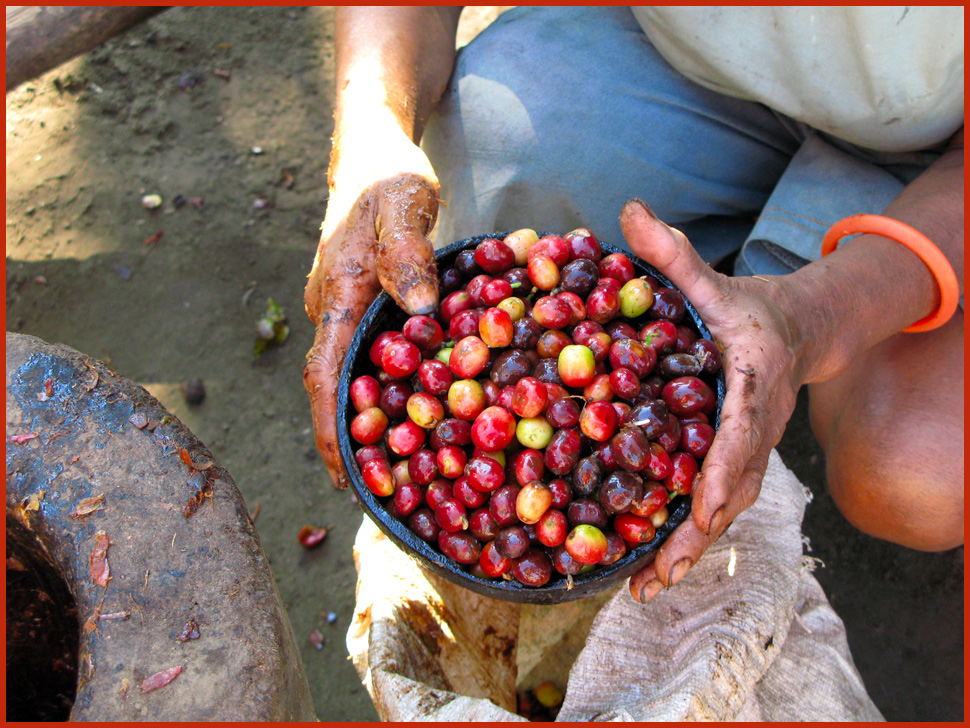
159,679
33,501
190,631
100,571
23,438
187,459
86,506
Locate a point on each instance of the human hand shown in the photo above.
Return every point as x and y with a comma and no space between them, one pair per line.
749,318
383,203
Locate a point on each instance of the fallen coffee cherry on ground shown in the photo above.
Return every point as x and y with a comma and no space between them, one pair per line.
309,537
537,425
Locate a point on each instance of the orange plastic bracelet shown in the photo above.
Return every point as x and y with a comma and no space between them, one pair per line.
913,239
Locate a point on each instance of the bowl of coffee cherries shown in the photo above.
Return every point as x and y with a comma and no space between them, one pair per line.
537,437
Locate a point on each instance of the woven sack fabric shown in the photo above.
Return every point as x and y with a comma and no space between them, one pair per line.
746,635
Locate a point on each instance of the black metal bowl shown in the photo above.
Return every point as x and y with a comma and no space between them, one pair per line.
383,315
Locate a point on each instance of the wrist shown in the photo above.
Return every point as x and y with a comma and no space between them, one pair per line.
947,286
371,147
845,303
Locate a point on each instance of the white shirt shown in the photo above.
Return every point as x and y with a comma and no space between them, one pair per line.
884,78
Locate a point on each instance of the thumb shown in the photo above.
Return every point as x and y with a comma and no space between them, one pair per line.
669,251
407,211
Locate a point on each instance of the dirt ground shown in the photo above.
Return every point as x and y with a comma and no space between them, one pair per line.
229,110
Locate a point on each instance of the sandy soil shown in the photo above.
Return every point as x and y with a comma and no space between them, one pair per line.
229,109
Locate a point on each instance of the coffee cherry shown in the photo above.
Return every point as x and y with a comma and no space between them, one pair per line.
377,476
425,410
543,272
512,541
467,494
423,331
598,421
368,426
532,502
653,499
583,244
586,543
620,491
465,262
369,452
468,358
630,448
683,472
686,395
376,352
423,467
634,529
615,549
562,453
528,466
587,511
482,525
668,304
678,365
423,524
485,474
562,413
533,568
636,297
502,505
554,247
534,432
365,392
603,304
435,377
552,527
551,343
438,491
495,328
562,493
453,431
552,312
658,465
618,266
400,358
493,429
708,354
520,242
407,498
529,397
514,307
460,546
696,438
580,276
588,475
576,365
492,562
405,438
661,336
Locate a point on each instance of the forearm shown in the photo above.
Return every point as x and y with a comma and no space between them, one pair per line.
872,287
392,65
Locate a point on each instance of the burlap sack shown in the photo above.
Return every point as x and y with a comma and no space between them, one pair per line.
747,635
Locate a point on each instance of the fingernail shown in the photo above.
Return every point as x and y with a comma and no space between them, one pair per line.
716,522
645,206
420,300
678,570
649,590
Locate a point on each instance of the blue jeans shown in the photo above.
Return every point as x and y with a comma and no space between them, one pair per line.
555,116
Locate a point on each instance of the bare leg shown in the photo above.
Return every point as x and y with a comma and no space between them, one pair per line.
891,427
